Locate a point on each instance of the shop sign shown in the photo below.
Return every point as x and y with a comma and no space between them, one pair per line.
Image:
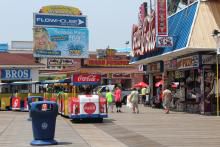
161,21
103,62
54,20
101,53
15,74
3,47
164,41
144,36
188,62
170,65
121,75
62,62
154,67
179,74
86,79
208,59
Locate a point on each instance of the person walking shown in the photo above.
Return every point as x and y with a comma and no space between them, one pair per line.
143,94
134,100
167,97
117,95
109,97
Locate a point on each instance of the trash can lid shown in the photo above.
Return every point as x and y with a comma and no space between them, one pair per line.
44,106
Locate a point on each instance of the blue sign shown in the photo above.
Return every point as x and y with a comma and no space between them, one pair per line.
61,42
48,20
3,47
15,74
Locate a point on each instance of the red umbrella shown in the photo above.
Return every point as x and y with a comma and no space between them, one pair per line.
141,84
175,84
159,83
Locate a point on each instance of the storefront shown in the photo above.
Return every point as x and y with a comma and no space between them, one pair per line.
17,67
188,61
155,73
208,102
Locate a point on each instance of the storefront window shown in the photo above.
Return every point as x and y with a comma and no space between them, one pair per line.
193,82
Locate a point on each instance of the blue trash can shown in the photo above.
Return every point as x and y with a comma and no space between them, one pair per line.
30,100
43,114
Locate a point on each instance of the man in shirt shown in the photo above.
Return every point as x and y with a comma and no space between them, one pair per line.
167,97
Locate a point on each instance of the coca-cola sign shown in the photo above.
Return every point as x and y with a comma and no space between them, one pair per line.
89,107
86,78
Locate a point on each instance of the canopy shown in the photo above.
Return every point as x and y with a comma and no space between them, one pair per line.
175,84
161,82
141,84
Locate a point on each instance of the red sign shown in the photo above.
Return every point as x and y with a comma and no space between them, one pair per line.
16,103
144,36
143,12
85,78
103,62
162,18
89,107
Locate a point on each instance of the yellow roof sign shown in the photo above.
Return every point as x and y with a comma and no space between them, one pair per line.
60,9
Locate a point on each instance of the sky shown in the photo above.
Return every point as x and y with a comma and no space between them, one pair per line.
109,21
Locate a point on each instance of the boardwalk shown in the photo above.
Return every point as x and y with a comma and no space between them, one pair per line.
150,128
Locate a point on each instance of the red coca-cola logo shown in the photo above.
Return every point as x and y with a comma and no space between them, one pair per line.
89,107
86,78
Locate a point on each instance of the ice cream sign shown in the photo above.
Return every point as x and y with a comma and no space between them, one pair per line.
79,79
15,74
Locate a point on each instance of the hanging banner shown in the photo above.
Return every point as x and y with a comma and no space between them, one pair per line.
161,21
61,42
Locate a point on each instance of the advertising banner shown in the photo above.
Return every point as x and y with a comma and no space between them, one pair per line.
61,42
15,74
67,21
80,79
16,103
161,21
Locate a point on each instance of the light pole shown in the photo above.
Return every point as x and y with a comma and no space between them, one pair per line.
126,44
216,35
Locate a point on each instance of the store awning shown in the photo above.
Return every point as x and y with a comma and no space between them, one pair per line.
25,83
